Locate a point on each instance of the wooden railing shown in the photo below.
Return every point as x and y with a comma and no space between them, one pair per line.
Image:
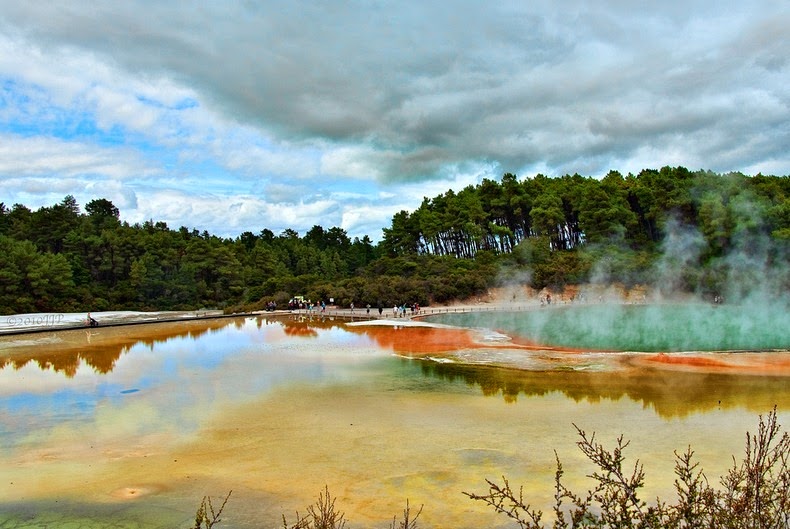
387,314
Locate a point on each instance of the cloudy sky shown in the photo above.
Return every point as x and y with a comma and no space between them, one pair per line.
235,116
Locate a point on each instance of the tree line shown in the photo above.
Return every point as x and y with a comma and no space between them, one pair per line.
629,228
538,231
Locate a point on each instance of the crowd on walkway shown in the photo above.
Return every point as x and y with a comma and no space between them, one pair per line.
398,311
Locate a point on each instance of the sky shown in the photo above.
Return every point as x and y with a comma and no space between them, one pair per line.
242,116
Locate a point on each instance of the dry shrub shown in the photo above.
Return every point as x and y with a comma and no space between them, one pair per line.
754,494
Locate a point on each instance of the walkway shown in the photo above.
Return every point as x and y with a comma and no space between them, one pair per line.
40,323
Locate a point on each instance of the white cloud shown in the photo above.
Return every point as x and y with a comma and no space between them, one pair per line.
54,159
351,162
265,107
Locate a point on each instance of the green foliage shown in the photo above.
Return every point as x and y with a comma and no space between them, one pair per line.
546,231
59,258
572,228
31,281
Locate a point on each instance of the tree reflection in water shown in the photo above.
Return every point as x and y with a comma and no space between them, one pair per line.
669,393
275,408
65,351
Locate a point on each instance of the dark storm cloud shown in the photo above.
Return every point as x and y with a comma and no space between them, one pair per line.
417,90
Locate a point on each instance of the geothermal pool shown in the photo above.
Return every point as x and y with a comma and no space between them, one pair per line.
132,426
645,328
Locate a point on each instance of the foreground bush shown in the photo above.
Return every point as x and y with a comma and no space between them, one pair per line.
754,494
321,515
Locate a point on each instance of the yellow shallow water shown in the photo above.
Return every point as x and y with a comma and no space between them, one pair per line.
276,411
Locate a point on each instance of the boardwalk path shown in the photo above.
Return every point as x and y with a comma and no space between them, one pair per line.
48,322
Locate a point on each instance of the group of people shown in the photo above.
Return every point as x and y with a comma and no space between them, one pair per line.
299,303
399,311
296,304
309,305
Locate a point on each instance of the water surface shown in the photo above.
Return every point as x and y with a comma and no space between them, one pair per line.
648,328
131,426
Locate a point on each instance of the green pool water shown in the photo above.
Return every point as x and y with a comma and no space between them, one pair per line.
129,427
649,328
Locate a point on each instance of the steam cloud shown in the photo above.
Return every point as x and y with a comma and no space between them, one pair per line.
751,279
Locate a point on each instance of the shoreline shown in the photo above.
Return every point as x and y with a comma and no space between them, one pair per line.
751,362
507,298
36,323
20,324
